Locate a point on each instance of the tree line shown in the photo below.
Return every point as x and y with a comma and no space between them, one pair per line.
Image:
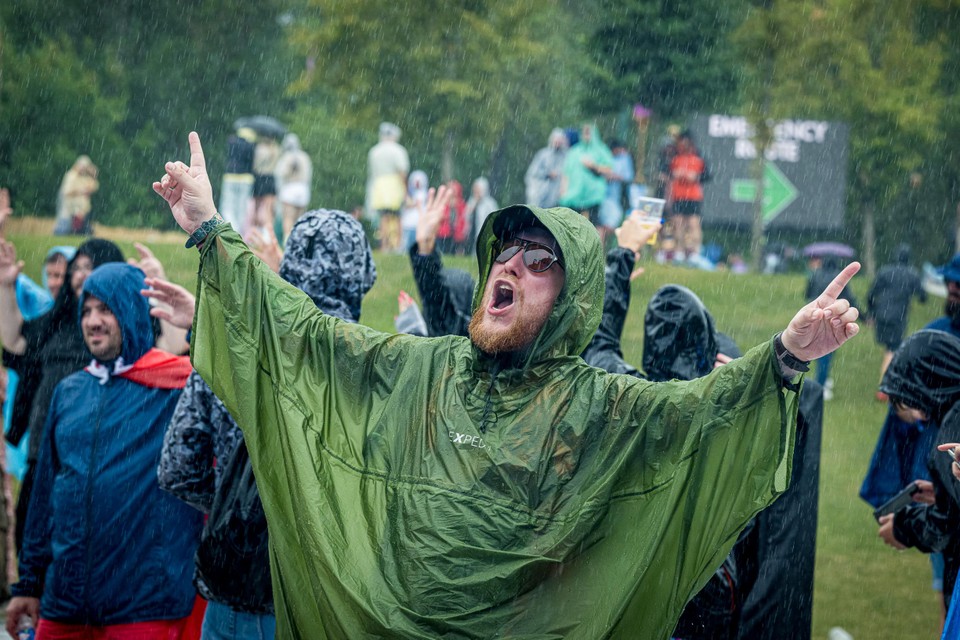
476,86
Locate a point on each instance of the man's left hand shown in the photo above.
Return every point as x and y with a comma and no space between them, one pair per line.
886,532
825,323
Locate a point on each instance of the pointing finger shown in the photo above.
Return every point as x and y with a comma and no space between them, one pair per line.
196,152
834,289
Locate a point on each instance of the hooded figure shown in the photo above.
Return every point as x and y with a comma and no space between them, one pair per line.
925,375
679,340
544,174
480,205
888,301
418,186
294,174
96,510
54,349
421,487
585,186
329,258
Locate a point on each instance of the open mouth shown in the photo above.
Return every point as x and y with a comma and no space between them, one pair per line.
502,296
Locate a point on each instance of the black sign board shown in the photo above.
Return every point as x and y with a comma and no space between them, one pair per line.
805,173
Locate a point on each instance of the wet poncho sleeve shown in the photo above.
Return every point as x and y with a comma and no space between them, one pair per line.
410,492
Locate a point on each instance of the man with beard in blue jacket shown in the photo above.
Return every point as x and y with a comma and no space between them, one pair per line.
105,550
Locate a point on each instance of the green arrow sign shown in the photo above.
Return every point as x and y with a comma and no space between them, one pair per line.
778,192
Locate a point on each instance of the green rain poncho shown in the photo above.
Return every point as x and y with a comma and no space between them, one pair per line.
413,492
585,188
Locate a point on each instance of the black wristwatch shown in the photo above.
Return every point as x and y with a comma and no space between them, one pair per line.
203,231
788,360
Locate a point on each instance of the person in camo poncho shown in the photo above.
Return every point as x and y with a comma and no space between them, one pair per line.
496,485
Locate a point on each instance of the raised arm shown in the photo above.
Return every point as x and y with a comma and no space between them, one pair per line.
11,320
265,348
604,349
428,222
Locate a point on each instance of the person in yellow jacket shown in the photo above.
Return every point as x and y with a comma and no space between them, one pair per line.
496,485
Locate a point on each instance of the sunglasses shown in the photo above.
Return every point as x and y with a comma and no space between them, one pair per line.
536,257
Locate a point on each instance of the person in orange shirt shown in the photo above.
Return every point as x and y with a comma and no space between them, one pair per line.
688,172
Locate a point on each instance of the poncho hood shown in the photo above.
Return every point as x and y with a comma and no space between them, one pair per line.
577,311
679,339
328,258
118,285
925,373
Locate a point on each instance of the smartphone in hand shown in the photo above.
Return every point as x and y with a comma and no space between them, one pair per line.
897,502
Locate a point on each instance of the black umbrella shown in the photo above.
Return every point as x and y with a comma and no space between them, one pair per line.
263,125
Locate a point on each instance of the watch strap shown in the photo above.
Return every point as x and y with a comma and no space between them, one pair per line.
201,233
787,359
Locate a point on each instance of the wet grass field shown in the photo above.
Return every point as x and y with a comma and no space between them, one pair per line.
861,585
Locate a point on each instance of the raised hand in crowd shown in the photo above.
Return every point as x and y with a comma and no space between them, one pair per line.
266,247
10,267
5,210
825,323
187,190
11,320
635,232
178,303
432,214
172,339
148,263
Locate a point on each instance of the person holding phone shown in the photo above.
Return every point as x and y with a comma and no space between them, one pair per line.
923,383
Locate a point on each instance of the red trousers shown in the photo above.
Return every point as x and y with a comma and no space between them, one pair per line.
153,630
183,629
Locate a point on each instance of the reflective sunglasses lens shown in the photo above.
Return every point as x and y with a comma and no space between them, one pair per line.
507,252
538,260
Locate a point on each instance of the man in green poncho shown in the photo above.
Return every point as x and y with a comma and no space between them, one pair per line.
495,486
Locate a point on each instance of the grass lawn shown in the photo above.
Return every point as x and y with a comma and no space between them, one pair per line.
867,588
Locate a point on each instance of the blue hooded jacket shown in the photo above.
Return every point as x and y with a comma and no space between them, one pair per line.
104,545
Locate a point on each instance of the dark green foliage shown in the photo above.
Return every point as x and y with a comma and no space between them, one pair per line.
124,82
673,57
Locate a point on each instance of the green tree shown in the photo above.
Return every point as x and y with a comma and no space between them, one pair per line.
52,110
852,61
461,80
166,69
674,57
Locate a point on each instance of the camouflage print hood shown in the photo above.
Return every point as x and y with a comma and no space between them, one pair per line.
576,314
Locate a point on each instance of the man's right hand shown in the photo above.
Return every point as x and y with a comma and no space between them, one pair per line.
428,222
10,267
187,190
19,606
